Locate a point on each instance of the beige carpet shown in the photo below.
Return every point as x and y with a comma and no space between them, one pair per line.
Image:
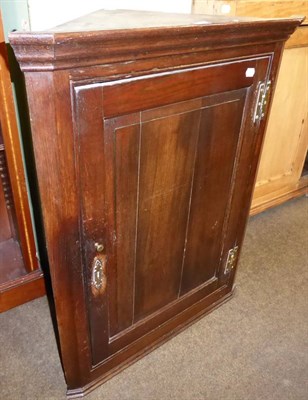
255,347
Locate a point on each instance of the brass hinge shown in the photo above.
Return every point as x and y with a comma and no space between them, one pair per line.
231,260
262,101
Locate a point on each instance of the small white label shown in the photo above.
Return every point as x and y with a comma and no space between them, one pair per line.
203,22
250,72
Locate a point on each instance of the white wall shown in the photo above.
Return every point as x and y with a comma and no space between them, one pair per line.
15,15
47,14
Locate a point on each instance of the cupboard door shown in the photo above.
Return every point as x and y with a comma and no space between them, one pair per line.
158,158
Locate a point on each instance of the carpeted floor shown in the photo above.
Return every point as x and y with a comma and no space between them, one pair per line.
255,347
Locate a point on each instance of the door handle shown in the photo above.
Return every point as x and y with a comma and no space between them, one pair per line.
99,247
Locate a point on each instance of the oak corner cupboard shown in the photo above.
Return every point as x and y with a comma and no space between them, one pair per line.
147,129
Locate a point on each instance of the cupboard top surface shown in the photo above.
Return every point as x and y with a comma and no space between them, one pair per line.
115,20
130,19
109,36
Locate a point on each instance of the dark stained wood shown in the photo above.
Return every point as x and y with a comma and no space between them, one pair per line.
144,143
140,205
92,182
126,151
118,20
54,50
218,141
167,88
59,194
168,148
244,178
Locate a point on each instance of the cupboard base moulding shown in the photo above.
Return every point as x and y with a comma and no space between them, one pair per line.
223,296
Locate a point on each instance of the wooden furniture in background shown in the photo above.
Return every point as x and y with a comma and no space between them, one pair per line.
147,129
21,279
257,8
281,174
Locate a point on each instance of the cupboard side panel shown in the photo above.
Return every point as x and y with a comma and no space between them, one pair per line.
50,111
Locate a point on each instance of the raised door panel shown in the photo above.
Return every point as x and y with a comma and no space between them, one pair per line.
156,174
218,142
166,167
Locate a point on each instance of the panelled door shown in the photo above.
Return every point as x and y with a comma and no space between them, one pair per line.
162,166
